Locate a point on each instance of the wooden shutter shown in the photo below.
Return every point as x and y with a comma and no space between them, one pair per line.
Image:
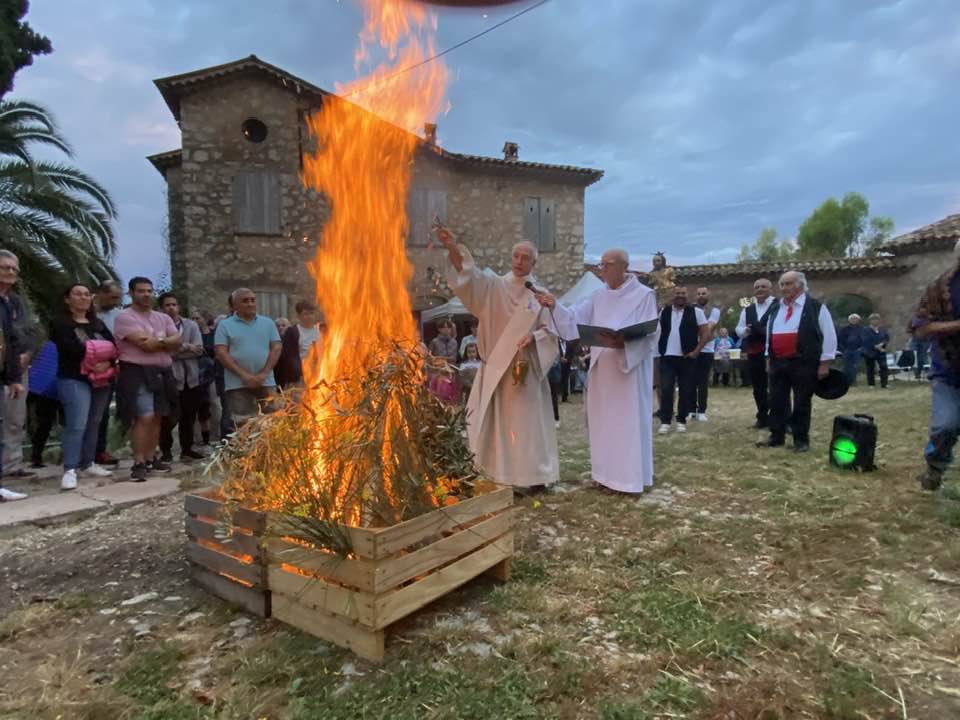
271,304
548,226
416,217
256,202
531,220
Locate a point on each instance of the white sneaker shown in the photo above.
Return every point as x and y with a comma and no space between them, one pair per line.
95,470
664,428
7,495
681,427
556,424
69,480
702,417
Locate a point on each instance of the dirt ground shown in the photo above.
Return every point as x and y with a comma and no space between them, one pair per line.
748,584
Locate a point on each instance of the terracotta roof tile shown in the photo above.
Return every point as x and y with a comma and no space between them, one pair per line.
827,265
173,86
941,234
590,175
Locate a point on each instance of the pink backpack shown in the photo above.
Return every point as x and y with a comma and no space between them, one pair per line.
99,351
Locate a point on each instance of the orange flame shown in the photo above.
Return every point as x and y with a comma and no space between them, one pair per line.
366,139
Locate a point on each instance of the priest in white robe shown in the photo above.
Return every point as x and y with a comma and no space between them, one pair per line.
510,424
619,394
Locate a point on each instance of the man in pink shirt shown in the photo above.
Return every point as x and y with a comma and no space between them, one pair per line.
146,388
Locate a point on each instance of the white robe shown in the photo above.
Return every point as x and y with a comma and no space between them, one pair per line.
510,427
619,394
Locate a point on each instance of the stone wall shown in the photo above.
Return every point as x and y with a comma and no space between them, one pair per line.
209,259
485,209
212,258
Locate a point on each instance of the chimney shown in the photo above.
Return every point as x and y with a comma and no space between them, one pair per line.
511,151
430,133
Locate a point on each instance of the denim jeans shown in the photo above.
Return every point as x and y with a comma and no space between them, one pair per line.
944,425
83,407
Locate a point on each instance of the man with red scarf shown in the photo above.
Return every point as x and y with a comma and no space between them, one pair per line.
752,328
801,344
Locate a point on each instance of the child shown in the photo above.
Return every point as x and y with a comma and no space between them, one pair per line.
721,355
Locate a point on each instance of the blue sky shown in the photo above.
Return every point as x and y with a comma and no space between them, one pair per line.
711,120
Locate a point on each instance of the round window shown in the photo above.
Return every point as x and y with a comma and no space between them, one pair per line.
254,130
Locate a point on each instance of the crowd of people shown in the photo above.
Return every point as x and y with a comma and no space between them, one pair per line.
786,346
201,376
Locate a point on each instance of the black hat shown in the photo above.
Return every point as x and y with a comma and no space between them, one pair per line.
833,386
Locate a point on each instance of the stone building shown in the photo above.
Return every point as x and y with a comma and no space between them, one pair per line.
239,214
890,284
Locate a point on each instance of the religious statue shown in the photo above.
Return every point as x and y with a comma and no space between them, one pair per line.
661,279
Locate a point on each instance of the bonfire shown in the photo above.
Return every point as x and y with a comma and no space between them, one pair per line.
364,444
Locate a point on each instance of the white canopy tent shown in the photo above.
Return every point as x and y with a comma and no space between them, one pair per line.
453,308
584,286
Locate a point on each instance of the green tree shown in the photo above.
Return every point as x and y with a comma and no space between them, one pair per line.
835,229
57,219
767,248
881,230
18,42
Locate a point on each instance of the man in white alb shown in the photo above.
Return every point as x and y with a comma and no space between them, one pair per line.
620,395
509,419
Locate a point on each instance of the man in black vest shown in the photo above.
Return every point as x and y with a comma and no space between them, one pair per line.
801,344
683,333
752,329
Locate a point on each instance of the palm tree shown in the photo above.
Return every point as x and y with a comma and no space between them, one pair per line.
57,219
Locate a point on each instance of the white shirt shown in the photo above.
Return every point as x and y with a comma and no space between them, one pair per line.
713,318
782,325
308,336
108,317
673,341
762,307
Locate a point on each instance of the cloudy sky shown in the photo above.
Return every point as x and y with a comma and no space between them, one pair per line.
711,120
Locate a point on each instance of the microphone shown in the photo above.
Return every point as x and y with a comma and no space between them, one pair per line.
532,288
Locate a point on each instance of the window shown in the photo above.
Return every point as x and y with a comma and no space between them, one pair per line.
256,203
422,207
271,304
540,223
254,130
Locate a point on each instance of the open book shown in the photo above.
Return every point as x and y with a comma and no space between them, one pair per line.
608,337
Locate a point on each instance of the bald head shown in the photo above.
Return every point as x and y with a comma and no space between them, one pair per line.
613,267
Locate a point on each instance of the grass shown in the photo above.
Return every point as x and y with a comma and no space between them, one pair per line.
750,584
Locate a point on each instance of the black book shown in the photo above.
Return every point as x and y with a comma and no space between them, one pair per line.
608,337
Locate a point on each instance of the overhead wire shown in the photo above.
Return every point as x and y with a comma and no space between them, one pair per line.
460,44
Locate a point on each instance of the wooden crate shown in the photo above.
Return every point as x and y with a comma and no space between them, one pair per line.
393,571
233,570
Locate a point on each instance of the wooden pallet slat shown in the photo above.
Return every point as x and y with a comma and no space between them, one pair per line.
322,595
349,571
222,564
253,600
365,642
238,543
390,574
393,539
402,602
210,507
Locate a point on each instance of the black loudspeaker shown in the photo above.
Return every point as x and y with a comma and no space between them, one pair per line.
854,442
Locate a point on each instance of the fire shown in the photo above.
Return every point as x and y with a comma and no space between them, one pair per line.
366,139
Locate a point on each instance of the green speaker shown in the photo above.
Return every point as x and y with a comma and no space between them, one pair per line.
854,442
